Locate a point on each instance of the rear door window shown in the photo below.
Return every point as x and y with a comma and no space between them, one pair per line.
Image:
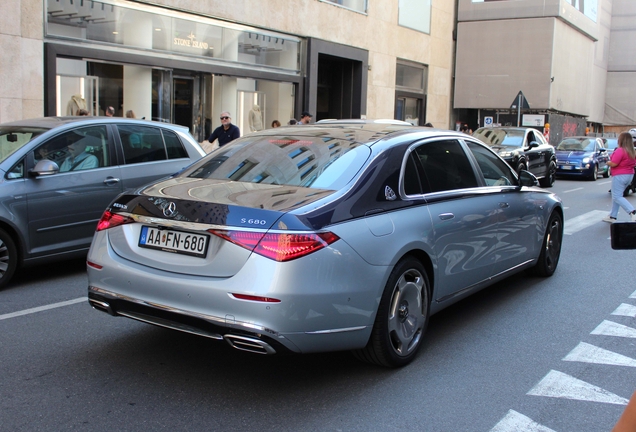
142,144
446,166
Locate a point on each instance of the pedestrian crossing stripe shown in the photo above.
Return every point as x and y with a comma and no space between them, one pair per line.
625,310
559,385
633,295
587,353
610,328
516,422
583,221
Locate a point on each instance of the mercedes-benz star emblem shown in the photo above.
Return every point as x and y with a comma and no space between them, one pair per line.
389,194
170,209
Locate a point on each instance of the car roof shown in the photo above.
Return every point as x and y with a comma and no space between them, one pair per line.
579,137
53,122
358,131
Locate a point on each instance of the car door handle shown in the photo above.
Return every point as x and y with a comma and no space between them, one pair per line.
504,205
446,216
111,180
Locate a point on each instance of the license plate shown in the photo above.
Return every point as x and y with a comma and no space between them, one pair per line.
174,241
567,167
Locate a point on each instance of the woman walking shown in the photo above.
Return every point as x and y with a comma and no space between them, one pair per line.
622,164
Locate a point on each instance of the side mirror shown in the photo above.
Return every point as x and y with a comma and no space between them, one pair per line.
602,150
44,168
526,178
533,144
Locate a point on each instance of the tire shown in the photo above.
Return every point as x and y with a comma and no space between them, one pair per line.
548,180
402,317
550,247
594,175
8,258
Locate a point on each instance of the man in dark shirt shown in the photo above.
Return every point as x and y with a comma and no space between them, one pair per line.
226,132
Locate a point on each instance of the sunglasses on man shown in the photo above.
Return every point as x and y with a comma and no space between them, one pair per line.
224,118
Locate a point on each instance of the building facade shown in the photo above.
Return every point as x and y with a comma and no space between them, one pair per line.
186,61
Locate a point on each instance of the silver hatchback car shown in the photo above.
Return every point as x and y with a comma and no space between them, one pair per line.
58,174
345,235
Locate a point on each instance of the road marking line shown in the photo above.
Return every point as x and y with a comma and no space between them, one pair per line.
42,308
559,385
604,183
583,221
516,422
610,328
572,190
633,295
586,353
625,310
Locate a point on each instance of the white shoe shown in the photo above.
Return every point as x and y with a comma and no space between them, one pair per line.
633,216
610,219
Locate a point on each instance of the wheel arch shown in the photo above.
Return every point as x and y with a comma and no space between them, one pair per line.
17,240
427,262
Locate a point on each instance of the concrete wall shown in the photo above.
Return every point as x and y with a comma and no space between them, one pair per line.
620,105
21,69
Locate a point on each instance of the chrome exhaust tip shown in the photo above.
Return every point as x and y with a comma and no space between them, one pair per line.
245,343
101,306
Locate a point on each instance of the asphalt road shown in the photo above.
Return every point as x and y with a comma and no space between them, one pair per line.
494,361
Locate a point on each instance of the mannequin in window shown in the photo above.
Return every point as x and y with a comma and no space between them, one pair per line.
256,119
76,103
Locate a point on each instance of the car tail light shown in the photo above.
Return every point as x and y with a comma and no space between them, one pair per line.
111,220
255,298
278,246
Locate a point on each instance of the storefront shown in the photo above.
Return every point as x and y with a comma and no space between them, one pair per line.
168,66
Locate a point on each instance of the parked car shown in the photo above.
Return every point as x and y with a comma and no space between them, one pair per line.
58,174
582,156
344,235
523,149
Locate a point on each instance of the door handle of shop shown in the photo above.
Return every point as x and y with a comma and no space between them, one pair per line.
446,216
504,205
111,180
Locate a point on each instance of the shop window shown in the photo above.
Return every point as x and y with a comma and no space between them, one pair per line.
415,14
410,92
356,5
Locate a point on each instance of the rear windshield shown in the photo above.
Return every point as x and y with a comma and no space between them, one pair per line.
317,162
12,138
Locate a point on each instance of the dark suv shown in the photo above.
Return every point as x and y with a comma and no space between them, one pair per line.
523,149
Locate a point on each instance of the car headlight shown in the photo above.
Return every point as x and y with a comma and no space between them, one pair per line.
586,160
505,153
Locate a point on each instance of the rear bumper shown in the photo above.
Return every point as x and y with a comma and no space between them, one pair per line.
327,303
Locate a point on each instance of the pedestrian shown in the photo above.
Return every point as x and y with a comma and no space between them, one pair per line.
275,124
130,114
305,118
622,163
110,111
226,132
292,122
428,125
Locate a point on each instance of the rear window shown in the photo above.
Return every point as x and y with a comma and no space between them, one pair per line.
12,138
318,162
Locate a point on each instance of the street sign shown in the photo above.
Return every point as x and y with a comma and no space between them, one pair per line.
488,121
520,100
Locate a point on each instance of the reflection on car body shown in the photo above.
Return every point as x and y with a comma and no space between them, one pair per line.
339,235
523,149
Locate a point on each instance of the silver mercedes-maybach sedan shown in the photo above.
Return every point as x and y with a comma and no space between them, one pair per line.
343,235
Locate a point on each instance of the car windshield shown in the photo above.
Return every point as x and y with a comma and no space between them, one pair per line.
12,138
612,143
309,161
576,144
500,137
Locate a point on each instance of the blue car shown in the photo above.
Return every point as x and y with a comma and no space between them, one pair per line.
582,157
